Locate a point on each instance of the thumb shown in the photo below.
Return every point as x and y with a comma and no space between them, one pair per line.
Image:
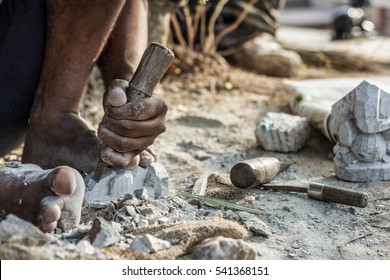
116,94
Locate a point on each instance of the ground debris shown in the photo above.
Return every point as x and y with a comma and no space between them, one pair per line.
14,228
254,224
184,236
103,234
237,107
135,227
220,186
223,248
149,244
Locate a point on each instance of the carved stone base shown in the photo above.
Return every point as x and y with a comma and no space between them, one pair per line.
362,172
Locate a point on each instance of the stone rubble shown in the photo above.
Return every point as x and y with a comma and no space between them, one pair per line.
115,183
103,234
149,244
223,248
254,224
121,224
16,228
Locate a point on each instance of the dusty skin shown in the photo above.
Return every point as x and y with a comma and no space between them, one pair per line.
48,198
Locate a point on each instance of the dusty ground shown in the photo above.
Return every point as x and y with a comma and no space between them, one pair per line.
210,128
213,130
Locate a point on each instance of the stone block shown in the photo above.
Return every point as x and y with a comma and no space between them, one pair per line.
102,234
282,132
149,244
223,248
115,183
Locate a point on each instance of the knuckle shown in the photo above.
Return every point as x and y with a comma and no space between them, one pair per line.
138,108
148,142
101,132
162,127
128,126
164,107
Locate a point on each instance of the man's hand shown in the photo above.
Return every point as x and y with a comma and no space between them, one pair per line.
128,129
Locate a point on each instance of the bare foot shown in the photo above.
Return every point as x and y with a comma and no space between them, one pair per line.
61,139
47,198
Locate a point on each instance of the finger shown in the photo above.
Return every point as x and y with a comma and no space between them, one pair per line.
147,158
116,93
142,109
129,128
125,144
122,160
152,153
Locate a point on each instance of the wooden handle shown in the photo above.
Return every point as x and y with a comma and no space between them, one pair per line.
152,67
337,195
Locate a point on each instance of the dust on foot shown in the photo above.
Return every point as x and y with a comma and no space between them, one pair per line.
47,198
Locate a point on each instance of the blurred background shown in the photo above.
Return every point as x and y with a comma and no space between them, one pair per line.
322,13
358,26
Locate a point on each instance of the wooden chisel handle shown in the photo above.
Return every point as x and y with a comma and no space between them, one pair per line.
331,194
152,67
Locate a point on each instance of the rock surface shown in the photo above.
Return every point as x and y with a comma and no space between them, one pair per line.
103,234
149,244
360,122
222,248
282,132
115,183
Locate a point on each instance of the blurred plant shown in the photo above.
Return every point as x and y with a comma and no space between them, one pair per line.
197,25
209,40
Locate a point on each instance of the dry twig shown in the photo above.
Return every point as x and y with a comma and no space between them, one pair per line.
353,240
210,39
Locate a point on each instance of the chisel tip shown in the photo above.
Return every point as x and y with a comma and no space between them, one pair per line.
99,170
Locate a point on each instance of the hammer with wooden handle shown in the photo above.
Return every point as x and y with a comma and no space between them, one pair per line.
259,172
152,67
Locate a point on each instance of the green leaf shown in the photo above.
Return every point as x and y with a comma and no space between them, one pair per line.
217,203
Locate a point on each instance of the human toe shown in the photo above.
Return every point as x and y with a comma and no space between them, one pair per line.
64,180
50,213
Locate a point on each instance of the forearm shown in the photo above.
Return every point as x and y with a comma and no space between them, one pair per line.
127,42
